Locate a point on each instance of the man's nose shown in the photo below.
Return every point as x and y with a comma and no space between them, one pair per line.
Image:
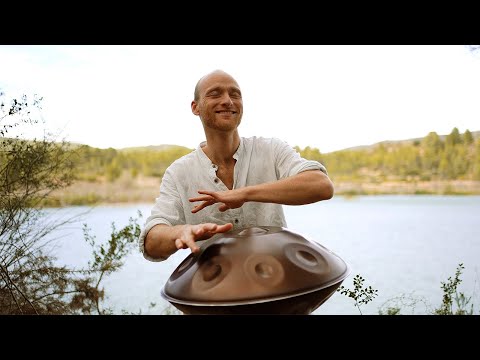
227,100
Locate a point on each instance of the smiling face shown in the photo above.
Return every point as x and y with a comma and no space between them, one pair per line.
218,102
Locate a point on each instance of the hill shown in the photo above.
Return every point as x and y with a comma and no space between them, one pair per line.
170,147
476,135
162,147
435,164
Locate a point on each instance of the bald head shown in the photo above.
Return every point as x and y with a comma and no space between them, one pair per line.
203,79
218,102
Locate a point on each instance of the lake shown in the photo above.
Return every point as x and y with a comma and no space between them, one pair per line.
403,246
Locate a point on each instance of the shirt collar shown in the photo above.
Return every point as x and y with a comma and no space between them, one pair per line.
240,149
205,159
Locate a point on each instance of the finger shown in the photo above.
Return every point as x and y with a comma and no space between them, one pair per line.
204,228
190,243
202,206
224,228
197,208
194,248
207,192
221,228
179,244
210,227
202,198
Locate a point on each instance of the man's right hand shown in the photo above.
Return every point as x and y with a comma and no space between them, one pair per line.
192,233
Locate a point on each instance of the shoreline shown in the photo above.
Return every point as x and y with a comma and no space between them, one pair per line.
145,190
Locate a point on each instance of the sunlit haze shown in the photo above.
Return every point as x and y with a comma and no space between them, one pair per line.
328,97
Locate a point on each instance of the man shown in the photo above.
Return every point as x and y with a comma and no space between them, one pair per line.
231,182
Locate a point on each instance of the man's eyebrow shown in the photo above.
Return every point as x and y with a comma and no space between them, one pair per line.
220,88
216,88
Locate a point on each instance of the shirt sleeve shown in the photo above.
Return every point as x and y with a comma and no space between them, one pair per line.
288,161
167,210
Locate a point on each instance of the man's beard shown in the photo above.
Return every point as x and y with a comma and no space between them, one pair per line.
222,124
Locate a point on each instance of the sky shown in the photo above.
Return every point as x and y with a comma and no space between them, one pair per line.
329,97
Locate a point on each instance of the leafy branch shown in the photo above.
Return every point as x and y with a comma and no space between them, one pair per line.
451,296
360,294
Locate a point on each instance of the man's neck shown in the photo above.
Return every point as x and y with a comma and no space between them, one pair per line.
220,148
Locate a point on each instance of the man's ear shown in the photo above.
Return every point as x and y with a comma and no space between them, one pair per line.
195,110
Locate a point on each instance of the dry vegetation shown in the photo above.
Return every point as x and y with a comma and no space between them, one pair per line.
143,189
125,189
434,187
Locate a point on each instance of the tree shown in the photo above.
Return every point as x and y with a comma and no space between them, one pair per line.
468,137
454,138
30,280
432,148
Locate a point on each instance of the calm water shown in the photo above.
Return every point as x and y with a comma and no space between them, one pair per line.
404,246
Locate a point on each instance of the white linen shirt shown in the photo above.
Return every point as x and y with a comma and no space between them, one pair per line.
259,160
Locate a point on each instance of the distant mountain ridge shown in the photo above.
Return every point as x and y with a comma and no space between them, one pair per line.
475,134
163,147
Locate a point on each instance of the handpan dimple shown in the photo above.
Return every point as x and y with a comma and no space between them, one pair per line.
306,258
264,270
211,273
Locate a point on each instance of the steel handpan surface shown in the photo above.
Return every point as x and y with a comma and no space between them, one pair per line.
253,266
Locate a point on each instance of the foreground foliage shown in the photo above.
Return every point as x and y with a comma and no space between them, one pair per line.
360,294
454,302
31,282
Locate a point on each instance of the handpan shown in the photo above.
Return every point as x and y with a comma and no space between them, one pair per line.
256,270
